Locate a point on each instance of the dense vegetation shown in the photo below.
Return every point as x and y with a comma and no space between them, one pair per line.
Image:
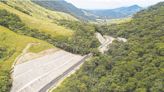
84,39
3,52
82,42
134,66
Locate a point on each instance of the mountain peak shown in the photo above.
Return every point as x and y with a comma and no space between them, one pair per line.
135,6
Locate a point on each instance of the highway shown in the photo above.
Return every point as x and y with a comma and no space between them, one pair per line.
40,74
66,73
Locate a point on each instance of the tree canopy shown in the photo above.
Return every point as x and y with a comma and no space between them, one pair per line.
134,66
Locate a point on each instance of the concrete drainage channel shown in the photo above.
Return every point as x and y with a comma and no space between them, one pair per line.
40,74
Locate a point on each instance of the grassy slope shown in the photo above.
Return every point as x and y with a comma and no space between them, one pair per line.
15,44
38,11
119,21
18,42
42,23
114,21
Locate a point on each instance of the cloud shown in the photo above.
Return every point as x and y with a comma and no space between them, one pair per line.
106,4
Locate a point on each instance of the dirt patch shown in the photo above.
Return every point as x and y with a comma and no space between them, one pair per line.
29,55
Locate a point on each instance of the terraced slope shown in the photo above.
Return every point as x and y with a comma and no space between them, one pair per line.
39,18
11,45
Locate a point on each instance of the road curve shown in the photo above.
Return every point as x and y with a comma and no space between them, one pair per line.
105,41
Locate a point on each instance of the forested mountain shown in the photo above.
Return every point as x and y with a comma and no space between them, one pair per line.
134,66
116,13
63,6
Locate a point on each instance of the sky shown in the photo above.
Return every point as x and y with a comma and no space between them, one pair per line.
109,4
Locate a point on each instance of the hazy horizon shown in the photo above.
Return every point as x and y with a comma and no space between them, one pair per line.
110,4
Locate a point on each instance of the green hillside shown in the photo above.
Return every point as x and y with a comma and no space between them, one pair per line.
36,11
39,18
73,36
17,32
11,45
134,66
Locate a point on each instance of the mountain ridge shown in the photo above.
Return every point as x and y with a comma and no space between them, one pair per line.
63,6
84,14
120,12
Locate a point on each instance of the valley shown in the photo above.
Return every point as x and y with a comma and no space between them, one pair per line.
89,14
53,46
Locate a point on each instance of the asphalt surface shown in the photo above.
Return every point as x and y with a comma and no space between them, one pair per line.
66,73
105,41
41,73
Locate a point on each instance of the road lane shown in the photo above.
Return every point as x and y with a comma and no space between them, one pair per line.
34,75
54,82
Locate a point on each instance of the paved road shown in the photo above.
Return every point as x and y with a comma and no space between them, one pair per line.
23,52
105,41
100,38
39,74
66,73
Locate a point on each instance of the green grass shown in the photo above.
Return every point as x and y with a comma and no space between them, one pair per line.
118,21
113,21
17,43
39,12
14,44
38,18
38,48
